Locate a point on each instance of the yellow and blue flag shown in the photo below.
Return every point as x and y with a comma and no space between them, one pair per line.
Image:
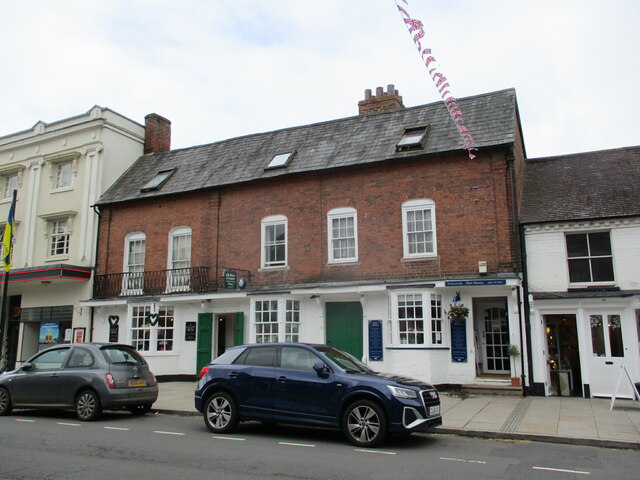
7,239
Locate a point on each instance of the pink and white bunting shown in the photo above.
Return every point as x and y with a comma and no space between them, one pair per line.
440,81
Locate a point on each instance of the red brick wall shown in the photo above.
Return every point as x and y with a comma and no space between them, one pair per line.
473,221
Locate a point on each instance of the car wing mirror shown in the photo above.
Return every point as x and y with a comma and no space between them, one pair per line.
26,366
320,368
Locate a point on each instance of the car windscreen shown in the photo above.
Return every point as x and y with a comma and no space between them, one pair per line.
344,360
122,355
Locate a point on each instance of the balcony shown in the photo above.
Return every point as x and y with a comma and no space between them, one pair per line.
159,282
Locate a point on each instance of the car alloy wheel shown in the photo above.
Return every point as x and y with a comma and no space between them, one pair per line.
365,424
88,405
5,401
220,413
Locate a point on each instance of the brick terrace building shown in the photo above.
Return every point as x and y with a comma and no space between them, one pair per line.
358,232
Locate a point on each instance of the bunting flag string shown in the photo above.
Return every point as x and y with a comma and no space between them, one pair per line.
416,30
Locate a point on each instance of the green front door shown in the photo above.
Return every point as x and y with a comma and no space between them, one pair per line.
205,336
344,327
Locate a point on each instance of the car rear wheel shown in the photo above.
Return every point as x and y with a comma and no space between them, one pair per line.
5,401
139,410
365,424
88,405
221,413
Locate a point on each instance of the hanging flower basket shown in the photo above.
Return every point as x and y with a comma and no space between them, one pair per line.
458,313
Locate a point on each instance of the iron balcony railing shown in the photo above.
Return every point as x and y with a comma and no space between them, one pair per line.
159,282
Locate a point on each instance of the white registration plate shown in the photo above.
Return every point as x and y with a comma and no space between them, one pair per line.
434,411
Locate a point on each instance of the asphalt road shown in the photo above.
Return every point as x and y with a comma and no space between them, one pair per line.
54,445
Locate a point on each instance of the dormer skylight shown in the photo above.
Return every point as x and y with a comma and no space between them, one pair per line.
413,138
280,160
158,181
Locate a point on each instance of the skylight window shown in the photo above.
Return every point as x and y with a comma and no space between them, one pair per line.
280,160
413,138
156,182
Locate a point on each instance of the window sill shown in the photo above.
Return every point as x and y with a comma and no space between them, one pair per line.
340,263
57,258
273,269
62,189
420,258
417,347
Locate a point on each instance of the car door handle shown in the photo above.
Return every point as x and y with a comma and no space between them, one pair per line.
233,375
282,379
54,375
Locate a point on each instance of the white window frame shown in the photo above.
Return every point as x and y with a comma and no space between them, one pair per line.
10,183
269,222
179,274
280,316
418,205
133,281
63,178
434,326
59,236
154,329
338,214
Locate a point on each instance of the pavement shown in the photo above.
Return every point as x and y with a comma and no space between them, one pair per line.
580,421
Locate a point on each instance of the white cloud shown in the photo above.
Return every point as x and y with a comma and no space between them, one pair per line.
222,69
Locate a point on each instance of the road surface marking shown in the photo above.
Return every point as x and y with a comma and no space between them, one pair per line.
577,472
25,420
235,439
297,444
116,428
168,433
449,459
381,452
69,424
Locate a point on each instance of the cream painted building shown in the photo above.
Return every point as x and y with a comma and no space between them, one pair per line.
59,171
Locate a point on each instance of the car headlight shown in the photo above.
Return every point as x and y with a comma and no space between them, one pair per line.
400,392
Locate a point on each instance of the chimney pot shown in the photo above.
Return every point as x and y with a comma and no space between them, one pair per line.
157,136
391,101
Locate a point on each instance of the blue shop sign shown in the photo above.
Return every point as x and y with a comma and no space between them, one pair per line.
473,283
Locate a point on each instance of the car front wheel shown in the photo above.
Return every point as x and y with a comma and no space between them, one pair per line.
365,424
88,406
5,401
221,413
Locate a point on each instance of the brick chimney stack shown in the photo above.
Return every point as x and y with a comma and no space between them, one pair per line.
389,101
157,137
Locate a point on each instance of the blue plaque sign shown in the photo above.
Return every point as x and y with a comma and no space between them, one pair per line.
375,340
459,341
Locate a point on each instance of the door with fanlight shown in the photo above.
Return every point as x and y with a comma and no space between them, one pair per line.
607,355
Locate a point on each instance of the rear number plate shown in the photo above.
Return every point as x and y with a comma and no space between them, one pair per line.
141,382
435,410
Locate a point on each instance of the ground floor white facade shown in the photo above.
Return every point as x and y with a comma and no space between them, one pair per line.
586,346
398,328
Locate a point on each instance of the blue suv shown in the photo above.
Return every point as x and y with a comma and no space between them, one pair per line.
312,385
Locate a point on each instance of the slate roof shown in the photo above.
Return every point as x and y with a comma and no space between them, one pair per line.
592,185
492,119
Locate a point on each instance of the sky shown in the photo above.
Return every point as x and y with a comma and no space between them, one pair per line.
220,69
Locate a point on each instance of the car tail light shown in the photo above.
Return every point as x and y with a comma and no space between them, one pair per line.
111,383
203,371
154,382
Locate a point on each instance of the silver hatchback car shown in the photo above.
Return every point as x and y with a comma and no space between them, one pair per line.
86,377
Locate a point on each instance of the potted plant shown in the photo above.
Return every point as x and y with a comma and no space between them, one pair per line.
458,313
514,352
